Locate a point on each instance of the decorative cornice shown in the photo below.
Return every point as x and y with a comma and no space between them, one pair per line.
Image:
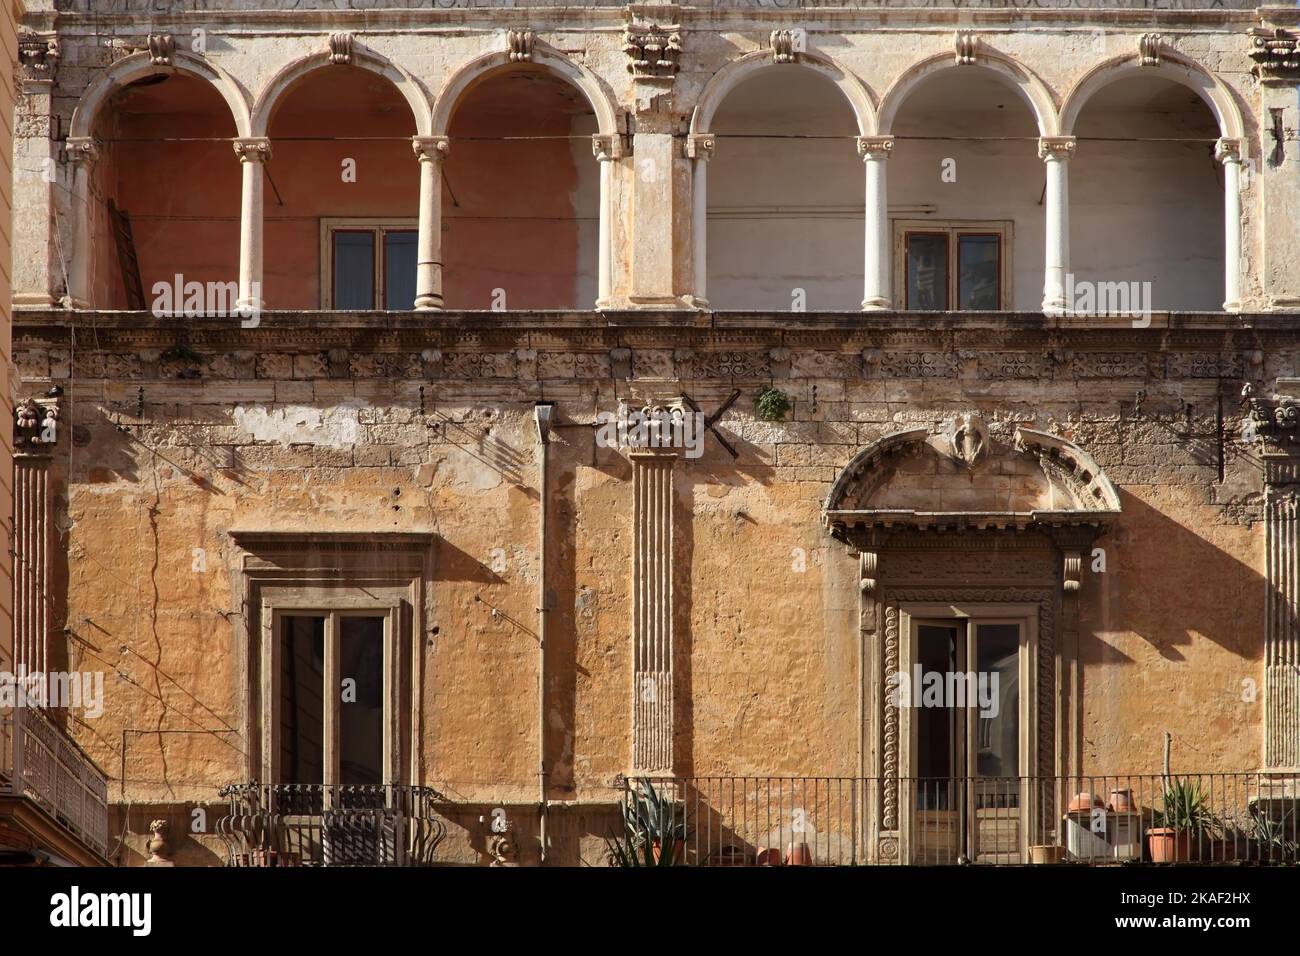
340,47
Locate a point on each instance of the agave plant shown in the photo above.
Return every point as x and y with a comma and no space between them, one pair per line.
653,826
1185,807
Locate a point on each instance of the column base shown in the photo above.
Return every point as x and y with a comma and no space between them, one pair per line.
1054,306
249,305
1234,306
428,303
877,304
698,302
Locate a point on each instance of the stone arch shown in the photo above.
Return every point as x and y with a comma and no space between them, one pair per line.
466,76
1065,466
737,71
1035,93
1174,67
288,77
131,68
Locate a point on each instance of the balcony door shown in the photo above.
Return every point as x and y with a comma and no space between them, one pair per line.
966,714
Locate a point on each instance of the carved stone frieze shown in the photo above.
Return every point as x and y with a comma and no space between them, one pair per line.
476,365
919,364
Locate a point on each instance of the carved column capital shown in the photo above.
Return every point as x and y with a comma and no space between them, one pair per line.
36,425
431,149
253,149
1228,150
1273,426
700,146
607,148
1276,53
654,52
38,56
82,149
875,147
1056,147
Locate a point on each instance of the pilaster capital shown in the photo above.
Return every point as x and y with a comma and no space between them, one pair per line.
1228,150
1056,147
700,146
252,149
82,149
606,148
431,149
875,147
1273,426
36,425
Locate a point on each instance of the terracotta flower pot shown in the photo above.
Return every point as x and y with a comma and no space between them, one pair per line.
768,856
1121,801
798,854
679,850
1084,802
1046,854
1167,845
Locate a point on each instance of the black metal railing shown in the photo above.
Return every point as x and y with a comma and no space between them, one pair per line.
842,821
342,825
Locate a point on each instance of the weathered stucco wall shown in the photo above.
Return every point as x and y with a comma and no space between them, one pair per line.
431,435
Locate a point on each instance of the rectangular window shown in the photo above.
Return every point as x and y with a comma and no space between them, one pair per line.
952,266
368,264
333,699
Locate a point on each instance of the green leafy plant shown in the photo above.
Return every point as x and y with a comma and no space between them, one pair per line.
772,404
1272,839
653,826
1184,807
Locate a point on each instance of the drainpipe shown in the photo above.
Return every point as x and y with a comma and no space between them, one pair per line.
542,418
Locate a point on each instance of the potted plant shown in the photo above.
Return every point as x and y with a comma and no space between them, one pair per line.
1268,840
654,830
1182,816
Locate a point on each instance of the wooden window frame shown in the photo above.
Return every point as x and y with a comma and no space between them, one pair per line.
274,610
954,230
378,228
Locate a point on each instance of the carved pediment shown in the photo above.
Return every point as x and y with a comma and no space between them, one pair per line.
963,475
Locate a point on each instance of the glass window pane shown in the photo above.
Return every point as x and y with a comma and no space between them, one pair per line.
399,269
927,271
978,272
936,647
997,666
361,711
354,269
302,701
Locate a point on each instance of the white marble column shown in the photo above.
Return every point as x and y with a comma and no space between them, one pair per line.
876,295
253,152
430,151
652,612
699,149
1228,152
1056,151
605,149
82,153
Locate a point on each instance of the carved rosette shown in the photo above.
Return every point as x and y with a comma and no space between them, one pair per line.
1276,54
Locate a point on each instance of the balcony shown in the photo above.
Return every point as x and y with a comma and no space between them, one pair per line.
1208,818
336,825
50,790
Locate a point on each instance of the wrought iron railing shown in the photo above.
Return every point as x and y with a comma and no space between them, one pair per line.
343,825
1104,819
39,762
